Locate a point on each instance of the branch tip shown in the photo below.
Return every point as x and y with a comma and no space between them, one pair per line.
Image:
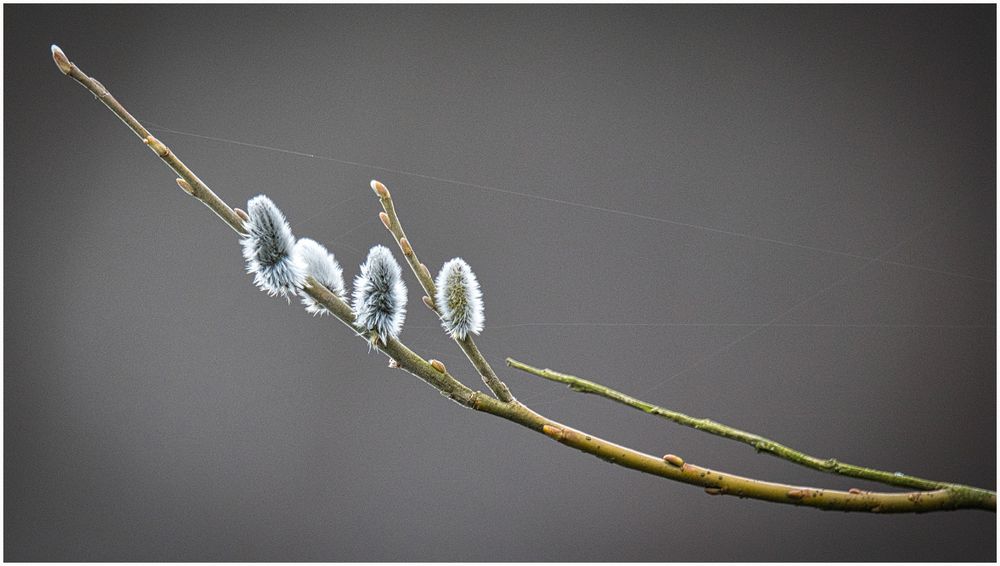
380,189
187,188
61,60
674,460
385,220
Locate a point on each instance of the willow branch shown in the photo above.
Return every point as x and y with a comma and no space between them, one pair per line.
191,183
761,444
670,466
391,221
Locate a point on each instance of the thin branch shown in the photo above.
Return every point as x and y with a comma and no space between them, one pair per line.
670,466
192,185
761,444
675,468
391,221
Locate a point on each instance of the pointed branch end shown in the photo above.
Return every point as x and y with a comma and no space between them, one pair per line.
61,60
380,189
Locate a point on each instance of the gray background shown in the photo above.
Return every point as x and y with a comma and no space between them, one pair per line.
157,406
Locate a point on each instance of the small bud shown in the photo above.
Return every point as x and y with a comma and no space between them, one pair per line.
61,60
796,494
425,272
380,189
459,299
239,212
321,264
553,432
713,491
428,302
267,248
385,220
854,491
674,460
438,366
156,145
187,188
404,245
380,294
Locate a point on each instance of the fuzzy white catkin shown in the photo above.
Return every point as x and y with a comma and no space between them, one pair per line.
459,299
380,295
267,248
321,264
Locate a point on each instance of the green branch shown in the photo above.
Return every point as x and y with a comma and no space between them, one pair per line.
436,375
761,444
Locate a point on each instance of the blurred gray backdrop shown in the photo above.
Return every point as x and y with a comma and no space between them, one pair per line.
779,217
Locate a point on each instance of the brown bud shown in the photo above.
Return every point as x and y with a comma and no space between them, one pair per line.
552,432
242,214
713,491
380,189
187,188
404,245
674,460
438,366
385,220
156,145
427,301
61,60
796,494
425,271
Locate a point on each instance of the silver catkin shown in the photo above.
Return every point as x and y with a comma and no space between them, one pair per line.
380,295
323,266
459,299
267,248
